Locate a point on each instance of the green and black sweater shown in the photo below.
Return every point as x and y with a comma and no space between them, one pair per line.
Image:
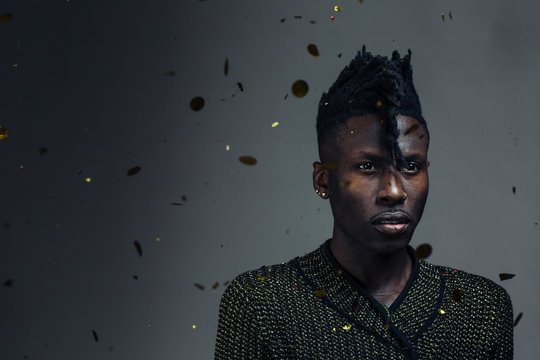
312,308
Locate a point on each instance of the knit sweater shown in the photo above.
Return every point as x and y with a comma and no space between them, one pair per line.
312,308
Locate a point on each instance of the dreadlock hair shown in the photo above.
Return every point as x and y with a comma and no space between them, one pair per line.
371,85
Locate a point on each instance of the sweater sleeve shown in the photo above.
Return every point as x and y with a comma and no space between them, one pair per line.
504,347
238,327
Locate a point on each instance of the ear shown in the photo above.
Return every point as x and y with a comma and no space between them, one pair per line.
320,177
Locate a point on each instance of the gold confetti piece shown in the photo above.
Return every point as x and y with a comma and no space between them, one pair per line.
249,287
58,226
387,326
320,293
312,49
441,311
379,103
520,315
199,286
133,170
457,294
261,278
334,329
354,305
21,166
423,251
3,133
6,17
299,88
8,282
158,239
197,103
240,86
505,276
412,129
94,333
138,247
215,286
227,147
194,326
170,73
88,179
43,150
337,8
347,327
328,166
442,16
274,124
248,160
15,65
339,272
149,325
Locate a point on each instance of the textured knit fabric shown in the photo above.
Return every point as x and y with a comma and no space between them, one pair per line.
312,308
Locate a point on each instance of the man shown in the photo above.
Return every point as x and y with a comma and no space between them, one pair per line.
363,294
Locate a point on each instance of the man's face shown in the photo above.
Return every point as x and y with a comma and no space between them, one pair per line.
376,207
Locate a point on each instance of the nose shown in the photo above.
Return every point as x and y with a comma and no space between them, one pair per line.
391,190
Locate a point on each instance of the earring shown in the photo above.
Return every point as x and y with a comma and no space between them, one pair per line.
321,194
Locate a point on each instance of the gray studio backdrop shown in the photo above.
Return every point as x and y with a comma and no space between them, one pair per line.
92,89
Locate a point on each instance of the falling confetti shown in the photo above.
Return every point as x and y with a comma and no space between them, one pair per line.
412,129
285,98
175,203
138,247
312,21
339,55
135,277
514,189
450,15
133,170
88,179
226,67
354,306
442,16
379,103
43,150
332,17
282,20
274,124
240,86
170,73
337,8
299,88
3,133
8,282
347,327
457,294
248,160
441,311
520,315
94,333
197,103
158,239
215,286
227,148
320,293
423,251
199,286
312,49
249,287
297,16
6,17
505,276
194,326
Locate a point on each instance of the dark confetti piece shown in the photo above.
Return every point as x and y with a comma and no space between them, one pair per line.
286,95
312,21
43,150
226,67
248,160
134,170
7,224
177,204
240,86
184,198
514,189
135,277
79,172
450,15
6,17
457,294
339,55
197,103
138,247
282,20
110,348
354,305
8,282
199,286
423,251
505,276
299,88
215,286
312,49
412,129
170,73
520,315
95,335
297,16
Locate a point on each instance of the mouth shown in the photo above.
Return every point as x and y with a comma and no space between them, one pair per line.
391,222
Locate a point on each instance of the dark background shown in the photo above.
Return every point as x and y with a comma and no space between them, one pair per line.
87,81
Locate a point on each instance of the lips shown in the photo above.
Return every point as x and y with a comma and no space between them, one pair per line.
391,222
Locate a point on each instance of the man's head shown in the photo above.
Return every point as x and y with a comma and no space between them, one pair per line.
373,143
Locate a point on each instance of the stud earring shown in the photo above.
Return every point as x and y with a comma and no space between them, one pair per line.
321,194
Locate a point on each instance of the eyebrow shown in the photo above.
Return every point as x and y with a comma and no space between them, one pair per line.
378,156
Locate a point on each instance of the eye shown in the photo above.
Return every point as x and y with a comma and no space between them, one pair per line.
366,166
411,167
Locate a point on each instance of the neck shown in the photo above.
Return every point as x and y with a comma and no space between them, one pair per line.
380,274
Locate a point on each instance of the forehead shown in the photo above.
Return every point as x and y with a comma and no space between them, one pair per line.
367,131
